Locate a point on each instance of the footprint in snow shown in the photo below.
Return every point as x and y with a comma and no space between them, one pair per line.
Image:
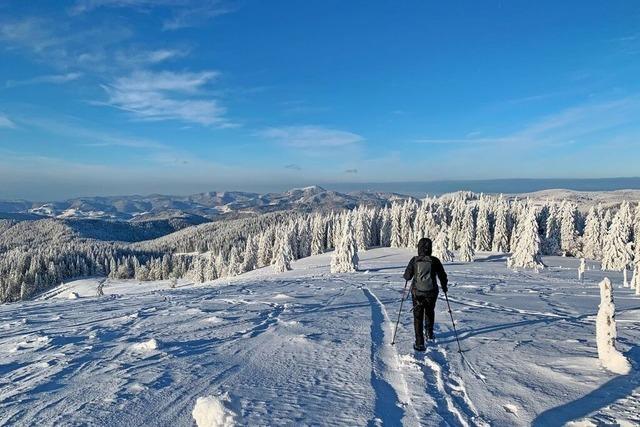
510,408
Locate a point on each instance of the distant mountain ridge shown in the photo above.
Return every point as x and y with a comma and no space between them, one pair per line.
195,208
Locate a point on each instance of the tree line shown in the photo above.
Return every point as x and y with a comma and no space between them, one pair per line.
460,225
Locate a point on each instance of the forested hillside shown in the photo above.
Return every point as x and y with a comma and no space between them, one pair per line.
36,255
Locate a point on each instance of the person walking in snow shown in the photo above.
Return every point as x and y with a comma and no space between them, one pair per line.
423,271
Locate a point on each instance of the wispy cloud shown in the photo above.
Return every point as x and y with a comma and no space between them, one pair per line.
99,49
310,137
167,95
564,127
447,141
182,13
351,171
50,78
5,122
293,166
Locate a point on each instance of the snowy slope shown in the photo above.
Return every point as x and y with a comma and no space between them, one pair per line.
308,347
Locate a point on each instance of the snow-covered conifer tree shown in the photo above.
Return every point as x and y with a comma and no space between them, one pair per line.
250,258
551,244
283,252
592,239
483,231
396,228
617,253
441,247
234,262
385,228
345,256
527,251
265,248
210,271
501,232
407,214
318,231
636,233
362,225
466,236
568,232
606,333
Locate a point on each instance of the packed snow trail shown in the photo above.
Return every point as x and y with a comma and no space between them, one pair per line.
310,348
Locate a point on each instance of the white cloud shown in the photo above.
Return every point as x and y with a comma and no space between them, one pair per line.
182,13
51,78
311,136
5,122
167,96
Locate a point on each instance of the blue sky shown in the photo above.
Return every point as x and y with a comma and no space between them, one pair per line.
181,96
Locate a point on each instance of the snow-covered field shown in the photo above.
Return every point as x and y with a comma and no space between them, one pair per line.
309,347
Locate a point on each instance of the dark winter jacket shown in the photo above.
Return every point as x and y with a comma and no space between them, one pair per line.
437,270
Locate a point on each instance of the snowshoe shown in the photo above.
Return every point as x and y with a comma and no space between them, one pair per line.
418,347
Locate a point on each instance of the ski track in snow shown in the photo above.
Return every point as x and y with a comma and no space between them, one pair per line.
310,348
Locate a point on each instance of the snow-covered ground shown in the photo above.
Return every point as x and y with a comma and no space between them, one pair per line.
309,347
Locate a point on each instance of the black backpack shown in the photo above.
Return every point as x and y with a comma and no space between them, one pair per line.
424,283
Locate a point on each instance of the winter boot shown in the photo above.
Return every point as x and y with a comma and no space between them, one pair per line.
419,347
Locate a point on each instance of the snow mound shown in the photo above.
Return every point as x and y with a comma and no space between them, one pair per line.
212,411
73,295
150,345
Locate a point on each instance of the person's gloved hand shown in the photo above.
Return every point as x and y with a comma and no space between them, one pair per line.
445,288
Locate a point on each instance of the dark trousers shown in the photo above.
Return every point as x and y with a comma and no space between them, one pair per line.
423,308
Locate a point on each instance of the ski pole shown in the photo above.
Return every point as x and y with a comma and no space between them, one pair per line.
395,331
453,323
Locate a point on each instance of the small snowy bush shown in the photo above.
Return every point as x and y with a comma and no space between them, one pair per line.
211,411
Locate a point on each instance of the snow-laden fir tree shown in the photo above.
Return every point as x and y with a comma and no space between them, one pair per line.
592,239
606,332
466,236
345,256
607,219
501,231
234,263
483,231
329,226
636,233
527,253
283,252
441,247
568,231
407,215
338,223
265,247
385,228
303,238
396,228
318,231
250,258
362,225
419,225
517,208
551,243
617,254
